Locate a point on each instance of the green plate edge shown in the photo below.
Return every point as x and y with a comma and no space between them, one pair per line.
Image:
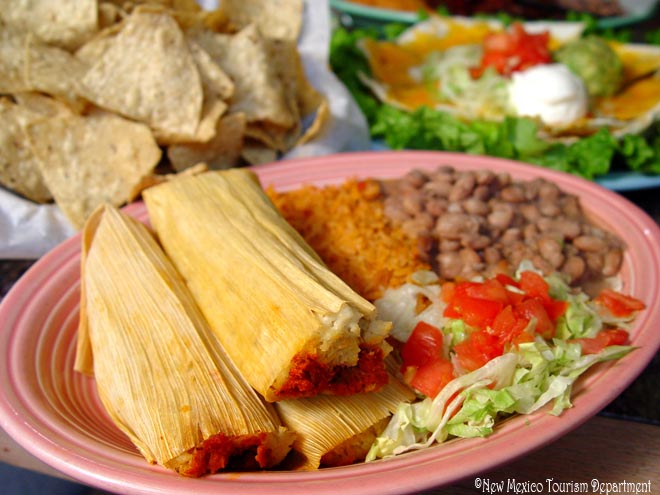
363,15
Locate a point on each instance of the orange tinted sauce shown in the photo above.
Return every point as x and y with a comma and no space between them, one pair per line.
310,377
246,453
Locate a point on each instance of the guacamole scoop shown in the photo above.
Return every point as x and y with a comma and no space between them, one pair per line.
595,62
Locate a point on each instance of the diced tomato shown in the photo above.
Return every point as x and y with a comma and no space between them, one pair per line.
619,304
507,326
477,350
423,346
477,313
447,291
505,280
533,284
555,308
603,339
490,290
514,50
432,377
533,308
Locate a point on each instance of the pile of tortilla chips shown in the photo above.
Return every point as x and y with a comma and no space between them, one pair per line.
99,99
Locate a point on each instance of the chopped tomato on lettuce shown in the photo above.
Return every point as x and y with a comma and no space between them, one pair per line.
514,50
507,345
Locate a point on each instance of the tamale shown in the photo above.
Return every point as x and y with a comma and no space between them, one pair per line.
336,431
292,327
160,374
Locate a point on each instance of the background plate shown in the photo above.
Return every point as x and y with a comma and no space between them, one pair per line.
356,15
56,415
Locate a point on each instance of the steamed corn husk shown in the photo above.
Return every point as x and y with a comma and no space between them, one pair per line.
162,377
334,431
268,297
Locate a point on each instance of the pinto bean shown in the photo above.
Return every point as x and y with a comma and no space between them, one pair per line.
463,187
612,262
476,241
450,265
574,268
590,243
480,222
437,206
412,203
513,193
595,261
446,245
501,216
475,206
393,209
551,250
416,178
492,255
511,236
530,212
482,192
549,208
437,189
454,225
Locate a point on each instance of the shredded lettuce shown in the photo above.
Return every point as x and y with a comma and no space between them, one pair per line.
521,381
517,382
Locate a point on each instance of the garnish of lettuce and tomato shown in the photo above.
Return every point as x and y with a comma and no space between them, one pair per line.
514,138
497,347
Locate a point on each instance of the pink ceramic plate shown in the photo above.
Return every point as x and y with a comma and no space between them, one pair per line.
55,413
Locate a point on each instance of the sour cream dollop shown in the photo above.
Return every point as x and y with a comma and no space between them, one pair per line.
550,92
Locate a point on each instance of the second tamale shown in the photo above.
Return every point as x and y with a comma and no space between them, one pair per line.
160,373
293,328
336,431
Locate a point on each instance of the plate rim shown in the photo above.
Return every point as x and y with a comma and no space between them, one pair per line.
547,427
378,14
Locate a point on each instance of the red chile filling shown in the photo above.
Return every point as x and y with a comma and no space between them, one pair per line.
245,453
310,377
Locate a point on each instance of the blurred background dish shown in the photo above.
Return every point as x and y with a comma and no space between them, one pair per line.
608,13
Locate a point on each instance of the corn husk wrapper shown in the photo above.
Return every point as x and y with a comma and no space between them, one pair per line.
335,431
160,374
268,297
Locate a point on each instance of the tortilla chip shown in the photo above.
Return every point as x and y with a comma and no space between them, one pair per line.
19,168
276,19
65,23
259,93
148,74
41,104
27,64
87,161
314,129
221,152
256,153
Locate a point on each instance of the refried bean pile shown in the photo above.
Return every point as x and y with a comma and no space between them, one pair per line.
470,223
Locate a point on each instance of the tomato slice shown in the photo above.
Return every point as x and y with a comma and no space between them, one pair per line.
603,339
508,326
475,351
477,313
432,377
533,284
514,50
533,308
423,346
490,290
619,304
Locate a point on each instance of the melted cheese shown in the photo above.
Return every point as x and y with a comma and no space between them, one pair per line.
635,101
